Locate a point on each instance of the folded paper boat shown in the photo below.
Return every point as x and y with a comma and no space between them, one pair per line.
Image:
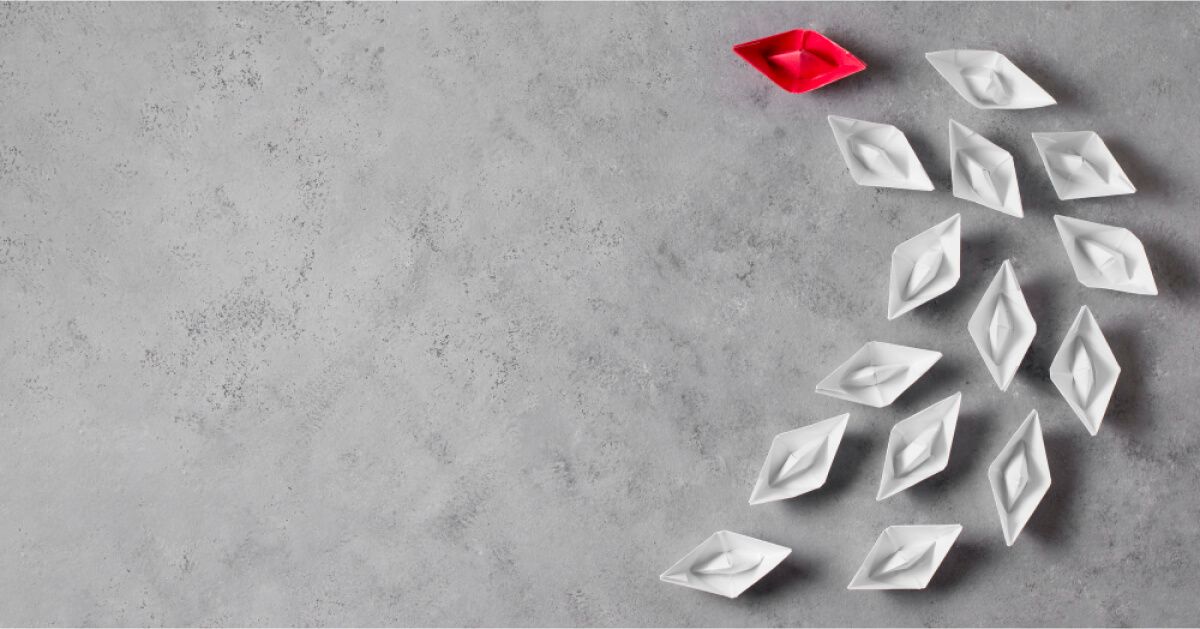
726,563
799,460
924,266
905,557
1020,477
1085,370
988,80
1080,165
799,60
1105,256
878,155
878,373
919,447
1002,326
982,172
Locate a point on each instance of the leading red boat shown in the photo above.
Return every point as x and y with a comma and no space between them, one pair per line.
800,61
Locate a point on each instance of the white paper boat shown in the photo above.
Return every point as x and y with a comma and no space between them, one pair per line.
919,447
1085,370
905,557
1105,256
726,563
1080,165
982,172
799,460
988,80
1002,326
924,266
878,373
1020,477
878,155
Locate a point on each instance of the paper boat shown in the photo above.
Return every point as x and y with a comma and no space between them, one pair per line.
878,155
919,447
1104,256
924,266
982,172
1002,326
1085,370
905,557
799,460
799,60
988,80
726,563
878,373
1020,477
1080,165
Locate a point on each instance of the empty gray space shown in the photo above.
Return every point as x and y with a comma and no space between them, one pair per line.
486,314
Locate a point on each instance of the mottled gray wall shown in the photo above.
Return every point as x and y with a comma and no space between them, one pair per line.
486,314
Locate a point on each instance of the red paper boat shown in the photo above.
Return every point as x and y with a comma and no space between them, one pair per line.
800,61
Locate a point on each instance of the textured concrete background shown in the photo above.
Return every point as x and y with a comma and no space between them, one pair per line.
486,314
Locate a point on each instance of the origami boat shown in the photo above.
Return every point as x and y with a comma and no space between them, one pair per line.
878,373
800,61
1080,165
1105,256
799,460
1002,326
1020,477
988,80
919,447
924,266
878,155
982,172
726,563
1085,370
905,557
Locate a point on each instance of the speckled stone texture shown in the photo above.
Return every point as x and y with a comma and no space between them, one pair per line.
486,314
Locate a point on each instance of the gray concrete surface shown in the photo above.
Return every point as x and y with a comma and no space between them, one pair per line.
485,314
